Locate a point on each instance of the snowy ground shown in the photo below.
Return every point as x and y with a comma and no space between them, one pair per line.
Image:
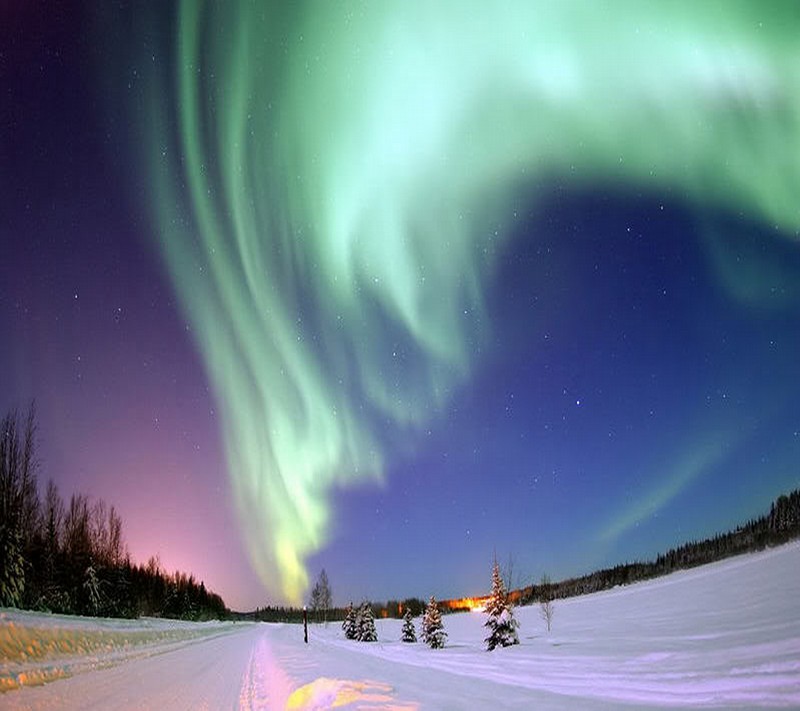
722,636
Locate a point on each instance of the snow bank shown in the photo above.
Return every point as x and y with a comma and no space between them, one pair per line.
36,647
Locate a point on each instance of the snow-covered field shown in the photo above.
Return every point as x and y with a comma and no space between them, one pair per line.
723,636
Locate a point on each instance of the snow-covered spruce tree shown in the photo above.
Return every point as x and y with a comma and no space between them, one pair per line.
409,634
501,623
357,632
433,633
350,624
368,633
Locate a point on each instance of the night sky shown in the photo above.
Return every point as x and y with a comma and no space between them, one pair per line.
392,289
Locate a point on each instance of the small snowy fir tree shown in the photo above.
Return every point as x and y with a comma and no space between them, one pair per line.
368,633
409,633
433,633
91,586
350,624
501,623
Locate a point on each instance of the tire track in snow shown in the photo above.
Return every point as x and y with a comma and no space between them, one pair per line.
265,684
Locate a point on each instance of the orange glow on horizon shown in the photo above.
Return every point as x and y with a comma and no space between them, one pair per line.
472,604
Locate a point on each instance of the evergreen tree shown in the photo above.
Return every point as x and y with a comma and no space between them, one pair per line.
367,631
19,506
359,612
12,565
52,518
433,633
91,588
350,624
501,623
409,633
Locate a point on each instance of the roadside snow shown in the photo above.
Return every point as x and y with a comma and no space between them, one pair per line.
723,636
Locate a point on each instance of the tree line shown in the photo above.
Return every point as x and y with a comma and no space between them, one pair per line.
321,609
394,609
70,557
780,525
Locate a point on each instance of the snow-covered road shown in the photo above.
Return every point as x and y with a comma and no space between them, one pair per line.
251,667
722,636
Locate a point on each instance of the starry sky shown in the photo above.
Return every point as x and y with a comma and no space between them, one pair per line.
392,288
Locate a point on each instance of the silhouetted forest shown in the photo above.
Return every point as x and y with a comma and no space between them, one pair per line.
392,608
780,525
71,557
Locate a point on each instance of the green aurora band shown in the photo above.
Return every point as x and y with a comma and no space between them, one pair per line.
331,181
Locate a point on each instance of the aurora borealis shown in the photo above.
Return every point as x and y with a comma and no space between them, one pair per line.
431,252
